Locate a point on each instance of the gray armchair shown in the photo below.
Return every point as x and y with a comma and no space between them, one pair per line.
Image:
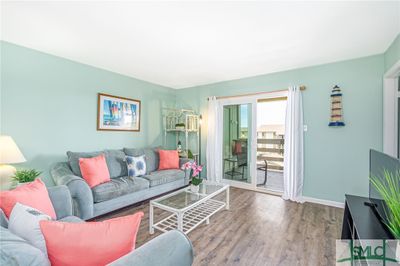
169,249
62,203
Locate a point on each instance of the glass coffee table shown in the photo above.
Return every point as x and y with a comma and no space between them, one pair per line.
188,209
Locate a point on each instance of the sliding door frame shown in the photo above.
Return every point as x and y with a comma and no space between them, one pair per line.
252,163
253,107
390,110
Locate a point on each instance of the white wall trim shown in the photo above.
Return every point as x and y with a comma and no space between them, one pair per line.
324,202
278,194
390,83
393,72
389,117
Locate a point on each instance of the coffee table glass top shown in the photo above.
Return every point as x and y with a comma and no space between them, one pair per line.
185,198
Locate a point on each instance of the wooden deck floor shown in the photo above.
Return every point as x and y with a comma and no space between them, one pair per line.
260,229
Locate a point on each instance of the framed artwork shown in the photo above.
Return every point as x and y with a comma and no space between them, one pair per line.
118,113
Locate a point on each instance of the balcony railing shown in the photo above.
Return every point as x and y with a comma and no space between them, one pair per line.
274,156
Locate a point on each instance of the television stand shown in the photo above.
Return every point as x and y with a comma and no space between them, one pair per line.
370,204
360,220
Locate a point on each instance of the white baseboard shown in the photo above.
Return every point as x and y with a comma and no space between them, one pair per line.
324,202
306,199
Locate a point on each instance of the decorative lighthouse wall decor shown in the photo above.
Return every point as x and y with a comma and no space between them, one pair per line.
336,108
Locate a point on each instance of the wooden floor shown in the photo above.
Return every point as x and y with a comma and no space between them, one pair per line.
260,229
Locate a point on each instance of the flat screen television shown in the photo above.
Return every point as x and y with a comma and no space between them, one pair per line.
379,162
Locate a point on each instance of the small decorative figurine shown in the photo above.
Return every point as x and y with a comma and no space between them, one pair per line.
336,108
179,147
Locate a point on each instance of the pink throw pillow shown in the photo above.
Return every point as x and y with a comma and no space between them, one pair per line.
90,243
169,159
32,194
94,170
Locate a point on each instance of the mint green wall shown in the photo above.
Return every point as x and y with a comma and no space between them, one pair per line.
336,159
392,54
49,106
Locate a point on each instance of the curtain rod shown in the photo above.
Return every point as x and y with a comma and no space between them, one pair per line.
302,88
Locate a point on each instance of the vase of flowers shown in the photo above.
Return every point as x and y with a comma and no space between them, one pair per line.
195,170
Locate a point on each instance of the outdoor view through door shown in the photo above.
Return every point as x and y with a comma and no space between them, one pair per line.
270,143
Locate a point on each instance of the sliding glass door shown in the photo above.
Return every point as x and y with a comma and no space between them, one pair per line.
252,141
237,142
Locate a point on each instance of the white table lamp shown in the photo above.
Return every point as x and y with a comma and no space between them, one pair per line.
9,153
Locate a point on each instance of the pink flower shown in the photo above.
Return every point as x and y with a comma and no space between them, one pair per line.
195,172
196,169
186,165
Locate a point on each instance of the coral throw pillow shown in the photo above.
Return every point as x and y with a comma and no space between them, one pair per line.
169,159
90,243
94,170
33,194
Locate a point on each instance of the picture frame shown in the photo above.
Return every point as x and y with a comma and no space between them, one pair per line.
115,113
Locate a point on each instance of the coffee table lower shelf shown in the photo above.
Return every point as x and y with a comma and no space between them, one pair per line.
192,217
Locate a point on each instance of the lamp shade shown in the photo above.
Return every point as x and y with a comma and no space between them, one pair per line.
9,151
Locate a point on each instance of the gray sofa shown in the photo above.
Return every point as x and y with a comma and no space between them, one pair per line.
15,251
121,191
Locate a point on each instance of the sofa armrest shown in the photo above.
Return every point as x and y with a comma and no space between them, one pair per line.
61,199
80,191
160,252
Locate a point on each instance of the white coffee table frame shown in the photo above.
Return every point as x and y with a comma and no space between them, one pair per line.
188,218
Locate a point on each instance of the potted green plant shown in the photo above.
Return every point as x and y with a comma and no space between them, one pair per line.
194,173
389,189
25,176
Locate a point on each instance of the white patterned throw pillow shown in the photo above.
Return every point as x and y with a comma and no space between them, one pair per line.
136,165
24,222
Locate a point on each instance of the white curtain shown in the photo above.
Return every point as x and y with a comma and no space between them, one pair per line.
294,151
214,140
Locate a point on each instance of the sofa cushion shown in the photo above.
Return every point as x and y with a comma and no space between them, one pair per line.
116,163
16,251
71,219
152,157
118,187
164,176
133,151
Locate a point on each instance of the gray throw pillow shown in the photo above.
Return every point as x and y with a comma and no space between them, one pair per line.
116,163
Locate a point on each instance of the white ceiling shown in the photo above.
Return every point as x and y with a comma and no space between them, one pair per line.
184,44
